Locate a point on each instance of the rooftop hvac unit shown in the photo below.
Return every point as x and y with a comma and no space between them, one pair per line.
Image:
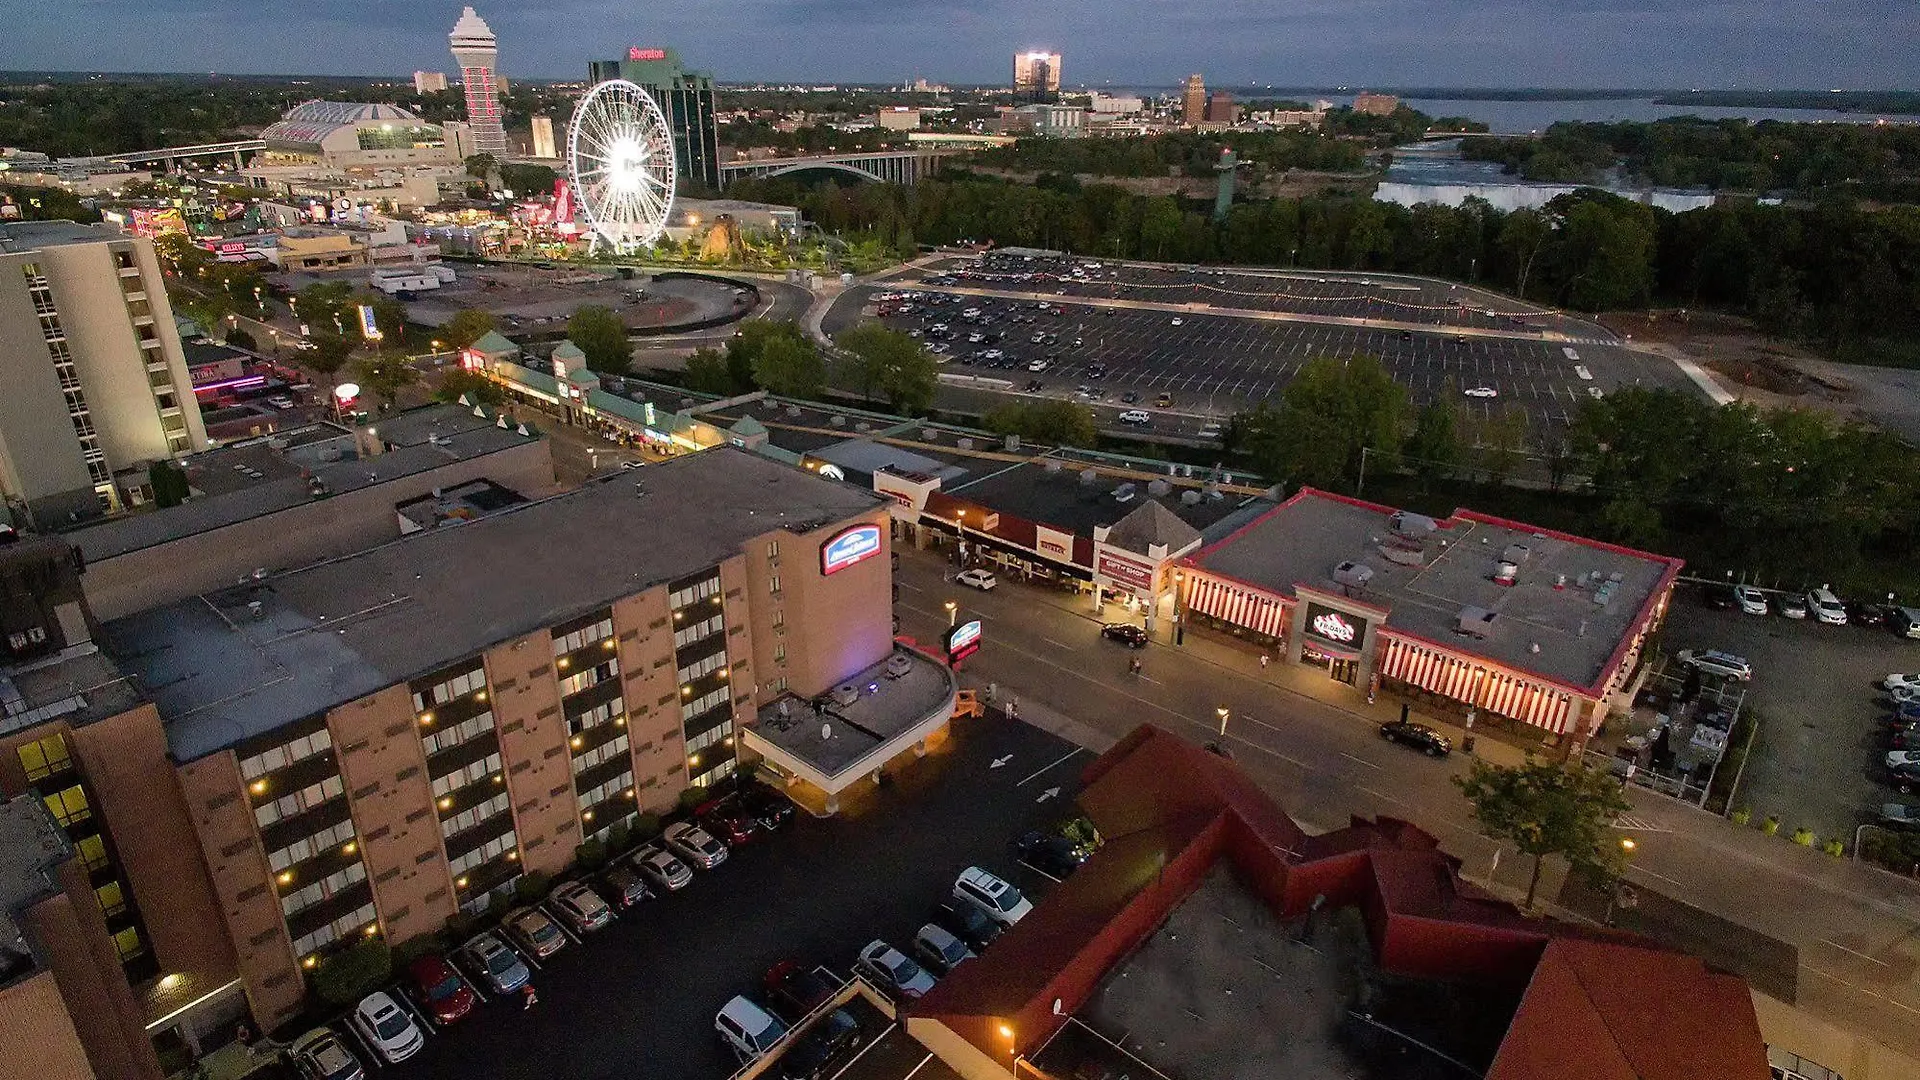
1012,444
1125,492
1476,622
1052,466
837,421
1190,497
1158,488
1416,526
964,444
845,694
1516,553
1353,575
928,434
863,426
793,410
898,665
1088,477
1505,573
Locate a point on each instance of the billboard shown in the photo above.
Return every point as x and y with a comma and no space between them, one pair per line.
152,223
855,544
963,641
1335,627
369,327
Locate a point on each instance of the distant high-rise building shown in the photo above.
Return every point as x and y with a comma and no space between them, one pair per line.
1036,74
94,379
685,97
476,51
1193,100
1375,104
429,82
543,137
1220,108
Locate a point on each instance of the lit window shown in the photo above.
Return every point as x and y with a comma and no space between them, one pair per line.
70,806
45,757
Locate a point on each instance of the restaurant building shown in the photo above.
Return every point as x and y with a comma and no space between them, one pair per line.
1472,614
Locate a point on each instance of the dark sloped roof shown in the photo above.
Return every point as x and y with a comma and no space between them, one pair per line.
1149,524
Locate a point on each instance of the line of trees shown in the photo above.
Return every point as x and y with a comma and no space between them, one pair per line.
1838,274
1186,153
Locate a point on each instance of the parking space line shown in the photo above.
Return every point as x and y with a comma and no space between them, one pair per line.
1044,768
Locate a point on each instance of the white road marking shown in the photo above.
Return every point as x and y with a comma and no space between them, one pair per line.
1361,760
1049,765
1855,952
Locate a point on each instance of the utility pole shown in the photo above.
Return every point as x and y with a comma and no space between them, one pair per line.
1360,489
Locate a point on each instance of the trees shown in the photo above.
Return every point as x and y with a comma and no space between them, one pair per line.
384,376
476,388
1049,422
389,317
600,334
467,326
790,365
353,972
706,373
1329,413
324,303
1434,449
889,363
328,355
1548,808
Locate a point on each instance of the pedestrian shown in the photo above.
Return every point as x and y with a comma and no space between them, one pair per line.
528,996
1264,661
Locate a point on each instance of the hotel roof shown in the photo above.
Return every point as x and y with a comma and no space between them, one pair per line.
1566,617
222,670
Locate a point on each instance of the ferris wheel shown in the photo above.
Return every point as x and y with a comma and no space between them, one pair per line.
620,154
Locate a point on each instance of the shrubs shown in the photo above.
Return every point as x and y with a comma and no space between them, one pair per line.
353,972
591,855
531,887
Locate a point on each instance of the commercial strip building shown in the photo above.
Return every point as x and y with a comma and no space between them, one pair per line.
1472,614
95,379
1171,951
685,98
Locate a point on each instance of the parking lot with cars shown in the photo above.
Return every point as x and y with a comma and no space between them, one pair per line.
1827,721
638,988
1199,344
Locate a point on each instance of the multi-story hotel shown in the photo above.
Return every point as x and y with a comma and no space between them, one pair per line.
95,380
374,743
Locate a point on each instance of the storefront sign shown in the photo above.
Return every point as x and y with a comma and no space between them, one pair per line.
849,546
369,326
1125,571
1053,543
963,641
1336,627
646,54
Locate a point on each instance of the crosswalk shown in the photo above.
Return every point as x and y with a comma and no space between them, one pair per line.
1637,824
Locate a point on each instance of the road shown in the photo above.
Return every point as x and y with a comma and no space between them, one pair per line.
1839,940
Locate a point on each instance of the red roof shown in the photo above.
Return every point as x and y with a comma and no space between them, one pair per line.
1170,810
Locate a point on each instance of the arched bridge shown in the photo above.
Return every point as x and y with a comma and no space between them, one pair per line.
885,167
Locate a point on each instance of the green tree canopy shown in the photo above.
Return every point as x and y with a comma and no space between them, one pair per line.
324,302
384,376
706,373
600,334
1050,422
790,366
456,383
1434,449
1329,413
467,326
328,355
889,364
1548,808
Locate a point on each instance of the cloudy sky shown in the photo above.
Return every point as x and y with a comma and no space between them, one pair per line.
1855,44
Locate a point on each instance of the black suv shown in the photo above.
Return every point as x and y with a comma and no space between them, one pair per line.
1418,736
1126,634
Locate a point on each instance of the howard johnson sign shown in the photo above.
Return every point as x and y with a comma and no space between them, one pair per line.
849,546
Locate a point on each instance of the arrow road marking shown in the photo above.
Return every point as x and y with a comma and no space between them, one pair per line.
1047,794
999,761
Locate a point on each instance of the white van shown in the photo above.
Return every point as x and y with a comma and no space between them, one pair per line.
1826,607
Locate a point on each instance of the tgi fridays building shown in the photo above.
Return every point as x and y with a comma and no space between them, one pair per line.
1473,613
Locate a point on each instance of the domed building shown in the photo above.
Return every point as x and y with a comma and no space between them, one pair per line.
345,134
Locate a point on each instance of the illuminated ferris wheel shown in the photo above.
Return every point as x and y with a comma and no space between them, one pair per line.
620,154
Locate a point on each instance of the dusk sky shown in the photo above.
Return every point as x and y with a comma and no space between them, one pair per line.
1852,44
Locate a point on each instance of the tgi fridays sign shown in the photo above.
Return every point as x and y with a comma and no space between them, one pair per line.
1335,627
1130,573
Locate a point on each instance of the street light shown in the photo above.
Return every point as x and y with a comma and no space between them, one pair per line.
1006,1032
953,613
1222,713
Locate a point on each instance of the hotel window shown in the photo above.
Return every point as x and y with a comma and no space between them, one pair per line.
468,818
773,584
44,757
607,790
706,627
706,701
773,549
606,751
112,898
580,680
92,851
714,775
465,731
302,850
780,653
680,598
303,898
128,944
584,636
123,260
335,930
286,754
596,716
471,773
708,738
703,666
305,799
70,806
492,849
779,618
459,686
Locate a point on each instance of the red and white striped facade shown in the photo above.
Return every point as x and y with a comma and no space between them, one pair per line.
1462,678
1241,605
1471,680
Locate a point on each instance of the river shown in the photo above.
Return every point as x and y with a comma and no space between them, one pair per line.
1514,117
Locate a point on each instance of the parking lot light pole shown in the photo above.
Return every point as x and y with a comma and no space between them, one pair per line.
1222,713
953,613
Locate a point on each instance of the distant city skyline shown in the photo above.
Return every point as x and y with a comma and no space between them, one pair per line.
1759,44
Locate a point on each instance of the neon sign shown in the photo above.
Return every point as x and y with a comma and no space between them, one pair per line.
849,546
646,54
1332,626
963,641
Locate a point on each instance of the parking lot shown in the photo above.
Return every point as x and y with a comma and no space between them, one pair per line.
638,997
1218,341
1817,756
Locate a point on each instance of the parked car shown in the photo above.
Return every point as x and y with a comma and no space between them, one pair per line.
1793,606
1714,662
796,990
662,869
892,970
583,908
1750,600
749,1029
1905,778
1050,853
1826,607
1419,736
1720,597
937,948
497,965
280,401
1900,816
439,990
977,579
824,1045
727,819
1861,613
321,1054
968,922
1136,416
625,887
535,932
771,809
1126,634
1905,695
387,1028
1164,401
1906,737
998,898
695,845
1898,681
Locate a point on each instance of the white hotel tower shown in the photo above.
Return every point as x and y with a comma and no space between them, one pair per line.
475,50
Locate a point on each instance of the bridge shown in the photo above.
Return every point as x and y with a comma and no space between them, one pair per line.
884,167
168,155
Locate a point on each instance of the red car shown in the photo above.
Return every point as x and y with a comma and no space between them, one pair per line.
796,991
726,819
439,989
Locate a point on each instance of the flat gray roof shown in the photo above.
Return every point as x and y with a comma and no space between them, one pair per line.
1563,618
327,634
886,707
231,492
27,235
31,846
79,685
